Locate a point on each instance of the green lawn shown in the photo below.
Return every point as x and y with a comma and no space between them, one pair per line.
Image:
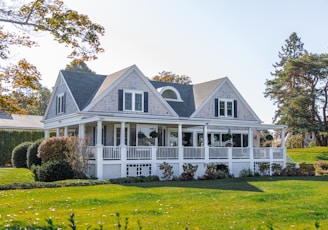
13,175
308,155
253,203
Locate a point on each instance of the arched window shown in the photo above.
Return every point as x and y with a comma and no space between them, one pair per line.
170,93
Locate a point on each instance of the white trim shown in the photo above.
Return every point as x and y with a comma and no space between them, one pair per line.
226,101
165,88
133,100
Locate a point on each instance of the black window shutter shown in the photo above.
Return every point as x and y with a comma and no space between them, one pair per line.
146,102
216,107
235,108
120,100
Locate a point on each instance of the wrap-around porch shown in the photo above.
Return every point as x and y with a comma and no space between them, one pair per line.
147,144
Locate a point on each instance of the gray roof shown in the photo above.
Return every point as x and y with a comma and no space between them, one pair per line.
83,86
87,86
20,122
187,106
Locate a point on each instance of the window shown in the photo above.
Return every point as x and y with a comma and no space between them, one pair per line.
60,103
117,135
133,101
169,93
226,108
144,137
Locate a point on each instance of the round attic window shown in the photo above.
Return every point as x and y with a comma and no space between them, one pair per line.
170,93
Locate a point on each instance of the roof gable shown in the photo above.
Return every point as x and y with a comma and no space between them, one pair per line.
203,90
131,78
225,90
83,86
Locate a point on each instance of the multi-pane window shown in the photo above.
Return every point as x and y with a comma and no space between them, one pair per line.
226,108
133,101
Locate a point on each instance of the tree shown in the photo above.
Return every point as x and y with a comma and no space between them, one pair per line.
166,76
20,20
281,89
78,66
300,90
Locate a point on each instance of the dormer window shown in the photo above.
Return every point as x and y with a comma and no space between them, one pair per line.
170,93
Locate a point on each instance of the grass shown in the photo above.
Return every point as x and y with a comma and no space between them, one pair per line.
308,155
252,203
11,175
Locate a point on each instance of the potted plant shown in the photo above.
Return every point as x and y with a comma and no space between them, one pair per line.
153,134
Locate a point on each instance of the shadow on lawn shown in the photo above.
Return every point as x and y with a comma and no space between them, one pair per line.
237,184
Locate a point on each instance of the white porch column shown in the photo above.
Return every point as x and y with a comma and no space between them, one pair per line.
66,131
57,132
123,148
251,149
282,145
180,147
205,140
99,147
46,133
82,130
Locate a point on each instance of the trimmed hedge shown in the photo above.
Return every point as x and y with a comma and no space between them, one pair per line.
10,139
53,171
19,154
32,152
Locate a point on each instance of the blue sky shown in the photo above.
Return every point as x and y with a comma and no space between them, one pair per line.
204,39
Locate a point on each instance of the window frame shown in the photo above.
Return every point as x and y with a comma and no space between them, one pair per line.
133,100
174,90
228,110
60,105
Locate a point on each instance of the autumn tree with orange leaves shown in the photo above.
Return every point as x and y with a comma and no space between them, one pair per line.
19,22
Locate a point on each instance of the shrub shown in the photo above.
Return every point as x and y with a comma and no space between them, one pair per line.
54,170
71,149
166,168
276,169
214,171
264,168
246,173
32,154
53,148
18,156
321,168
188,172
307,169
302,170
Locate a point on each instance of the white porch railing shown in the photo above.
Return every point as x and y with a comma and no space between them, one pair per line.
172,153
167,153
112,153
138,153
193,153
240,153
219,153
